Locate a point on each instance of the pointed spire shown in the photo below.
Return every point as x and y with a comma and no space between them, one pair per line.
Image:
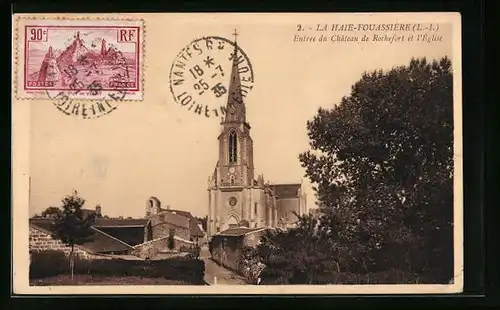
50,53
235,106
78,35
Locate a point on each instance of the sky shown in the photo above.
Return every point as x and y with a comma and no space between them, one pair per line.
158,148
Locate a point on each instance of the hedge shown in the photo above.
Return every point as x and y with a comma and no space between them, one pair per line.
268,277
53,263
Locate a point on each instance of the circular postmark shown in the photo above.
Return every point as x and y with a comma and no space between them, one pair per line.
93,86
201,72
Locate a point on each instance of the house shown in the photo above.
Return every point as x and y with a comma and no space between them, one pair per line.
173,219
99,246
130,231
167,222
111,236
196,233
226,247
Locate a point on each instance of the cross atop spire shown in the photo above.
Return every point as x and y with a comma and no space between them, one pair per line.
235,34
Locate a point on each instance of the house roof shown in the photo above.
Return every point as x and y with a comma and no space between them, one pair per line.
99,241
193,223
103,222
284,191
128,234
176,219
240,231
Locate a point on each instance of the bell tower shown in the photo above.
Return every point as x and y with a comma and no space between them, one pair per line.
230,186
235,165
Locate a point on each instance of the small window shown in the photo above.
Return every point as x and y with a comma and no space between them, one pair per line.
171,231
231,179
255,209
232,147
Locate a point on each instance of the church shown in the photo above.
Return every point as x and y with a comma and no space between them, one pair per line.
236,197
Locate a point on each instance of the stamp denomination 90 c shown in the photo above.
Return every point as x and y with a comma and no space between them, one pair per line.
86,59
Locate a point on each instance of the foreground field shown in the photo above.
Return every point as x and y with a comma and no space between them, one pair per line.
52,268
103,280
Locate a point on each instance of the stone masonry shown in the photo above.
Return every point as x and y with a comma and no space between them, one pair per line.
42,241
150,249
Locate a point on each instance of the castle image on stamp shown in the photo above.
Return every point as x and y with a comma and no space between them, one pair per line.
79,59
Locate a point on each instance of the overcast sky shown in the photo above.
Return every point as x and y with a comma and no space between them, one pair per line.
158,148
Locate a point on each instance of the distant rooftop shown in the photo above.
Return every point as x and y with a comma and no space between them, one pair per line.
240,231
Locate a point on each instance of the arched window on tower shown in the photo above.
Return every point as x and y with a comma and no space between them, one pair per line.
233,142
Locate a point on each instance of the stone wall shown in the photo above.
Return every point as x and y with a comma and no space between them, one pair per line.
231,252
163,229
226,251
42,241
150,249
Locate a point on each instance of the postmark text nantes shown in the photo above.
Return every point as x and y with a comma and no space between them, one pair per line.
200,74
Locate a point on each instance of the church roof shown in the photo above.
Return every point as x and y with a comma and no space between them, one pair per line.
284,191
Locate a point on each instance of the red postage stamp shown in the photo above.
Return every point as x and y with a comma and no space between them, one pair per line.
86,59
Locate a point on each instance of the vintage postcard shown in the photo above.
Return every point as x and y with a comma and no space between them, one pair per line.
237,153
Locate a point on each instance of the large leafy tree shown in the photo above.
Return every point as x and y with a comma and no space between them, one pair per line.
382,165
71,226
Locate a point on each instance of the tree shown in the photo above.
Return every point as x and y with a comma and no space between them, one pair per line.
298,255
203,221
382,167
71,226
51,212
171,239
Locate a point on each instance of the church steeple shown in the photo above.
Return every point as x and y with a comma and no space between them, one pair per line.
235,107
235,164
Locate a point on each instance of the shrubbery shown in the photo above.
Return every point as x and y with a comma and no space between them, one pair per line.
250,265
53,263
193,251
385,277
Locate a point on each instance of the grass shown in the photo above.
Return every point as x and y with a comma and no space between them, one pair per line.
103,280
52,267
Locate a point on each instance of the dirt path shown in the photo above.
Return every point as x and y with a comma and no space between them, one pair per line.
223,276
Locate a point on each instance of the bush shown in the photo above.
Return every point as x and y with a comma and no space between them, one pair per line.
250,265
171,242
211,245
269,277
194,252
183,269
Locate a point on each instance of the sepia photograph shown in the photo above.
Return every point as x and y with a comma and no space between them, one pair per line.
237,153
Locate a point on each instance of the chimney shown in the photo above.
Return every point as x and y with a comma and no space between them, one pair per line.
98,210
